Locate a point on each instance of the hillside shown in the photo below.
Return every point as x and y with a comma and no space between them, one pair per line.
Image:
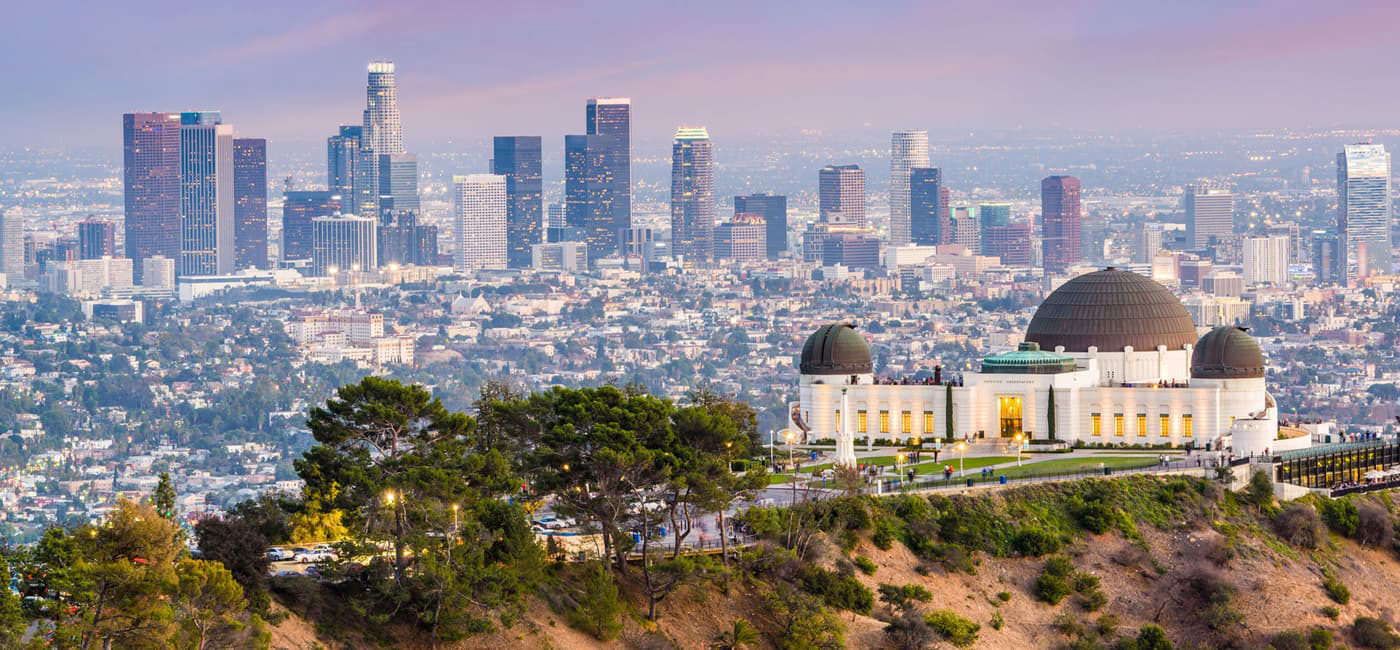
1206,565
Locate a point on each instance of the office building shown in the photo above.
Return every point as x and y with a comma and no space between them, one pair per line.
299,209
928,216
12,243
97,238
151,185
1329,260
479,212
381,134
518,158
908,150
206,194
250,203
1363,208
557,226
743,239
1210,216
398,186
158,273
342,159
570,256
967,232
1010,243
343,243
773,209
1060,223
1149,242
841,190
692,194
405,243
851,250
1266,260
598,174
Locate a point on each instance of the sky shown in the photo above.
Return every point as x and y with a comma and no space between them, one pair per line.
293,70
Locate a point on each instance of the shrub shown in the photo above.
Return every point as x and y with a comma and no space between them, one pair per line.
1331,612
599,609
1035,542
1107,626
953,628
865,564
1373,526
1335,589
847,540
917,592
909,631
1370,632
997,621
802,621
1096,516
1004,596
1320,638
1299,525
1260,490
1341,516
1051,588
1152,637
838,590
887,530
1067,624
1290,640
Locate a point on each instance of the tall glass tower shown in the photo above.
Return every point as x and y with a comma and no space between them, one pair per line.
1363,208
151,186
518,158
380,135
1060,216
692,194
908,149
206,195
250,203
598,174
342,159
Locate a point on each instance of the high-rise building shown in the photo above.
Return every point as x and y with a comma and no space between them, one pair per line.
1148,242
299,209
398,186
479,211
928,214
151,185
206,194
1010,243
1210,213
692,194
12,242
1329,258
851,250
342,159
404,242
380,135
773,209
841,190
518,158
343,243
570,256
250,203
97,238
1266,260
966,230
908,150
1363,208
557,227
598,174
157,272
1060,217
741,239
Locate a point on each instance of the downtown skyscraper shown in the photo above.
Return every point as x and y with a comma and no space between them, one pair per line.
841,191
519,159
773,209
1363,208
598,174
908,150
206,195
250,203
342,159
1210,214
97,238
383,168
692,194
928,217
1060,223
151,186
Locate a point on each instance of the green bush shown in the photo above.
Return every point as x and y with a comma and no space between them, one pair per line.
887,530
1337,591
1320,638
1004,596
917,592
1299,525
1068,625
1096,516
1331,612
1290,640
865,564
1341,516
1035,542
1260,490
953,628
599,610
838,590
1152,637
998,621
1054,582
1370,632
1107,626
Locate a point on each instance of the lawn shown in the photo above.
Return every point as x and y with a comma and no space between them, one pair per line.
1068,465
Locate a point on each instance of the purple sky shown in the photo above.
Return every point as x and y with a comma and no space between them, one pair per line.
293,70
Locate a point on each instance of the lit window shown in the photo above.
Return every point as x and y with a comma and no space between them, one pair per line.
1142,424
928,422
1164,425
1186,426
1118,425
838,420
1095,424
860,420
907,421
884,421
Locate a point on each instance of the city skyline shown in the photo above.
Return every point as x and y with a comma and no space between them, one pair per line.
314,45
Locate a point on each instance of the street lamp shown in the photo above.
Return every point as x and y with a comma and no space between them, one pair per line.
1018,439
899,466
962,446
792,437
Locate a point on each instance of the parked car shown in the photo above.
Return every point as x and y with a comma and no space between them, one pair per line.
309,555
279,554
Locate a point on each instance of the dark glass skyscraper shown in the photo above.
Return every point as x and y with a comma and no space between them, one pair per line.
250,203
841,189
206,196
928,222
773,209
398,186
151,186
598,174
518,158
692,194
1060,215
97,238
298,209
342,158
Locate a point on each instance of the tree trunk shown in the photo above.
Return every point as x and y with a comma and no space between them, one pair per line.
723,539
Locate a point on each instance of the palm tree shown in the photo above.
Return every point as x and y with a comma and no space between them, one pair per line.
741,635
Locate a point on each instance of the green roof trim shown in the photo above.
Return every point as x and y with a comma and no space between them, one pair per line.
1028,359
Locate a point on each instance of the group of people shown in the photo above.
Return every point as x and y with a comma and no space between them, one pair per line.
915,381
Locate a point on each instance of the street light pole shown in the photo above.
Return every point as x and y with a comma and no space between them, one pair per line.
791,437
962,446
1018,450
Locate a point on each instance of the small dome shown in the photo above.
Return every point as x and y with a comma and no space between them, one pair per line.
836,349
1110,310
1227,352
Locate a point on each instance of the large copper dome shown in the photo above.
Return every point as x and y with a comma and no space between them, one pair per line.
1227,352
836,349
1111,310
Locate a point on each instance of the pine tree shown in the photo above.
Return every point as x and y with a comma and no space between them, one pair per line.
165,496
